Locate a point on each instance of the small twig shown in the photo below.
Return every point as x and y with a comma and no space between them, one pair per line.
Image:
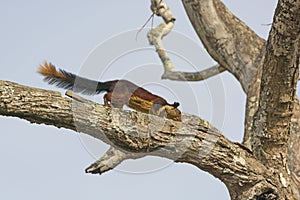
152,22
151,17
269,24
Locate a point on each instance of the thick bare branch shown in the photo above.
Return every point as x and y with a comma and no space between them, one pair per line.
252,107
227,39
233,45
280,72
294,149
192,141
279,75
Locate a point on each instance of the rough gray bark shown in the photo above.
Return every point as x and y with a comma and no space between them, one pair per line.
294,149
268,73
224,35
280,73
275,63
282,49
192,141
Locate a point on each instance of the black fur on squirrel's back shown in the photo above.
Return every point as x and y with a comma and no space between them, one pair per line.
69,81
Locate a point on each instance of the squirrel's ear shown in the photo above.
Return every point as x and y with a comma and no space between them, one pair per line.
175,104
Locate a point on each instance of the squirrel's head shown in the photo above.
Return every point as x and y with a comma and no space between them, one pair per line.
175,104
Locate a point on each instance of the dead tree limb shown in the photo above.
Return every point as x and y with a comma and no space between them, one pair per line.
226,38
238,49
155,37
192,141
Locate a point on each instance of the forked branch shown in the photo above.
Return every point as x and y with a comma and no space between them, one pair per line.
155,37
229,41
192,141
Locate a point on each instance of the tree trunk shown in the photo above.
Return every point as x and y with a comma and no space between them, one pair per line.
265,166
272,120
193,140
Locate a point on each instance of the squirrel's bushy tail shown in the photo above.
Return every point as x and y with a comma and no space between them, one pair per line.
67,80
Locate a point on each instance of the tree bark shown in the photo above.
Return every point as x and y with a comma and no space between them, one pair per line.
267,167
280,73
227,39
192,141
210,18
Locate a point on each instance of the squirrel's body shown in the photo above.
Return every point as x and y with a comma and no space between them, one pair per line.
119,92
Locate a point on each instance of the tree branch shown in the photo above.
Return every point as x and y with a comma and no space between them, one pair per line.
194,76
155,38
192,141
238,49
294,149
280,72
112,158
227,39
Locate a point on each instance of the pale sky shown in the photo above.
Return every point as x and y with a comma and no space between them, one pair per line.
43,162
